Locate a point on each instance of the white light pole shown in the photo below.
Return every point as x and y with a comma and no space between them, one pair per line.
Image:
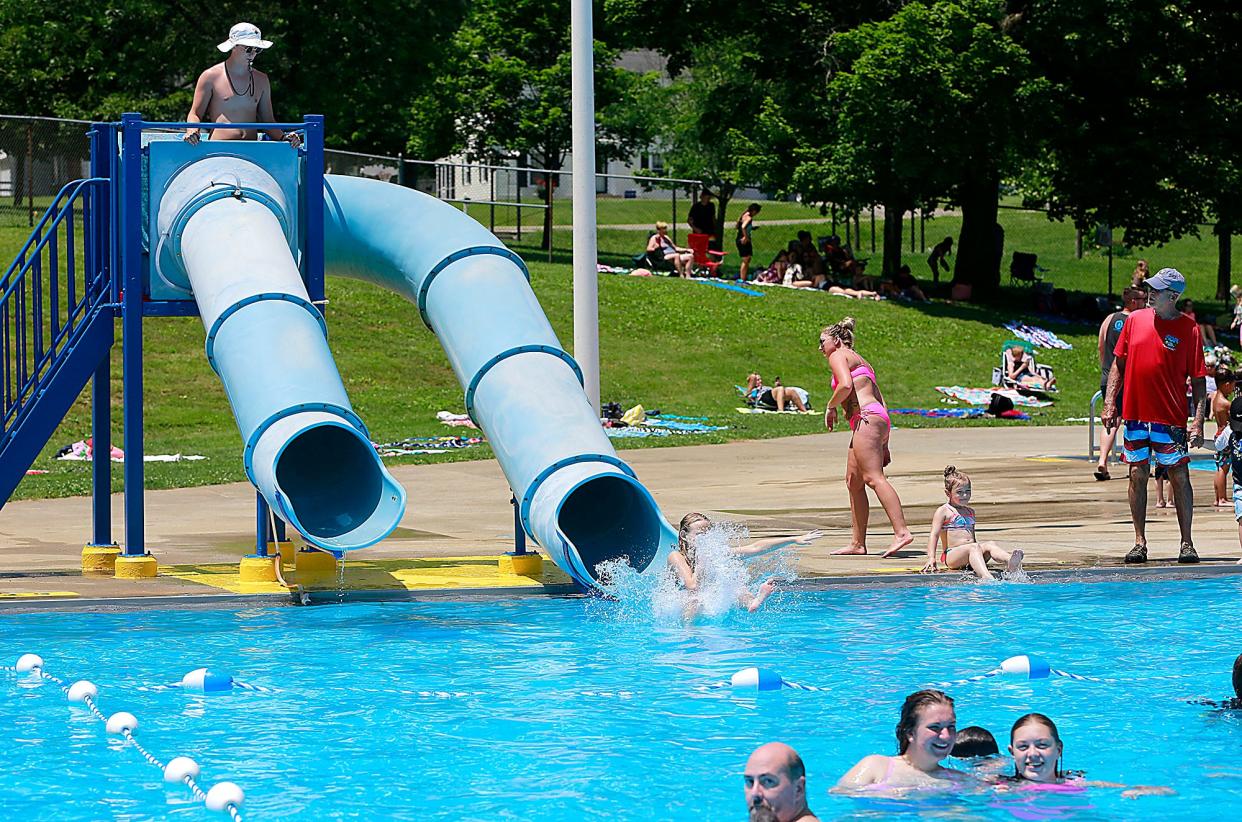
586,278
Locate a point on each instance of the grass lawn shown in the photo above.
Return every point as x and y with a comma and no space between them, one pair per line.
674,345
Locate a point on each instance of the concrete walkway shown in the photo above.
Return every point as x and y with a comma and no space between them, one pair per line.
1033,489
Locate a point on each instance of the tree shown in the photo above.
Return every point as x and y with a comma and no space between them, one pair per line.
1119,146
705,103
745,76
1213,102
935,102
506,91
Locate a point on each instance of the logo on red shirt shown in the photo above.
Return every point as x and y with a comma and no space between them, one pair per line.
1170,342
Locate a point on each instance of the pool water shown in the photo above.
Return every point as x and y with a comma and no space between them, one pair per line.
583,709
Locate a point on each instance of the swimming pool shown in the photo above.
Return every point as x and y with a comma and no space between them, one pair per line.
582,709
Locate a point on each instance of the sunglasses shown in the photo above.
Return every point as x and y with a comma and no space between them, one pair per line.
251,49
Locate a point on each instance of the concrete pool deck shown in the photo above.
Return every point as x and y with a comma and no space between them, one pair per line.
1033,488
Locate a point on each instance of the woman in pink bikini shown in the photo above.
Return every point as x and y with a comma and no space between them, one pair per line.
856,391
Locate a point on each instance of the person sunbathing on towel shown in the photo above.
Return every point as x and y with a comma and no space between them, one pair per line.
776,397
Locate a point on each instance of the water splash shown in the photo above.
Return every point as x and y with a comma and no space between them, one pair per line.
724,579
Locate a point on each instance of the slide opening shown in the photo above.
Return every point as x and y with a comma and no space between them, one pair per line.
332,479
608,518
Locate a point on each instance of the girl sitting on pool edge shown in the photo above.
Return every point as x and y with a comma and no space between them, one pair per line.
685,567
954,525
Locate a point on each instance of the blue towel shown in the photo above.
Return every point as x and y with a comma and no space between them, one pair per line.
730,287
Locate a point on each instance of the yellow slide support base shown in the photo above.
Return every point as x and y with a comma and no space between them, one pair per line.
286,550
314,569
140,567
100,559
257,569
521,565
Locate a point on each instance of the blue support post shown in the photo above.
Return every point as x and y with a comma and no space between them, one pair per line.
130,205
262,530
312,209
519,532
97,249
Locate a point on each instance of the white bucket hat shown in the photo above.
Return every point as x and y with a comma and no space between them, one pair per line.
244,34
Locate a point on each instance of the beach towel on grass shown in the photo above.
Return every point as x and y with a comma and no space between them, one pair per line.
1036,335
773,411
956,413
424,445
983,396
728,286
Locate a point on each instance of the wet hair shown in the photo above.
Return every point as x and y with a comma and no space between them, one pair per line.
1038,719
910,710
683,544
843,331
975,741
953,478
1237,676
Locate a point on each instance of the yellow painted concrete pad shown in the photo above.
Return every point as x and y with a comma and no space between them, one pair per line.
446,573
37,594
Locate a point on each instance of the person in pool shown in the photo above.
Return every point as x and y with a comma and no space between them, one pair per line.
954,525
683,562
1037,750
973,741
925,736
1233,703
775,780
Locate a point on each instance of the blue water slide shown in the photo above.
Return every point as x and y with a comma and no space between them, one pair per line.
578,500
225,228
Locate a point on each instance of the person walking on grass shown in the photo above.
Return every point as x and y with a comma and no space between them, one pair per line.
1133,299
1158,351
856,391
233,92
745,247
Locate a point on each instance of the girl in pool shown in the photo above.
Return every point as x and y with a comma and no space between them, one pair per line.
925,736
953,525
1036,748
688,571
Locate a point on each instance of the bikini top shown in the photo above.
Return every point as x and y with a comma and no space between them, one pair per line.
960,522
863,370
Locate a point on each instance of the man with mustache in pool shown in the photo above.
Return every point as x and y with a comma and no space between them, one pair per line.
775,781
233,92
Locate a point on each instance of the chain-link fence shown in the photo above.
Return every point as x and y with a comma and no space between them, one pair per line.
531,209
38,155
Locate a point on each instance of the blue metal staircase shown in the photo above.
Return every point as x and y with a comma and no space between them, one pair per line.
57,315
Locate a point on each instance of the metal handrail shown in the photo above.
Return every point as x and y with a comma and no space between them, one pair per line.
210,126
25,382
65,209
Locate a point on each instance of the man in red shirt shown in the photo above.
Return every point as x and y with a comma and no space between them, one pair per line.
1158,351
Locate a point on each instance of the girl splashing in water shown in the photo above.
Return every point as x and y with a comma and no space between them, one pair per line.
954,526
701,563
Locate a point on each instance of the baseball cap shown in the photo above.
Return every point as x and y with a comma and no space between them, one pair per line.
1235,415
244,34
1167,278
